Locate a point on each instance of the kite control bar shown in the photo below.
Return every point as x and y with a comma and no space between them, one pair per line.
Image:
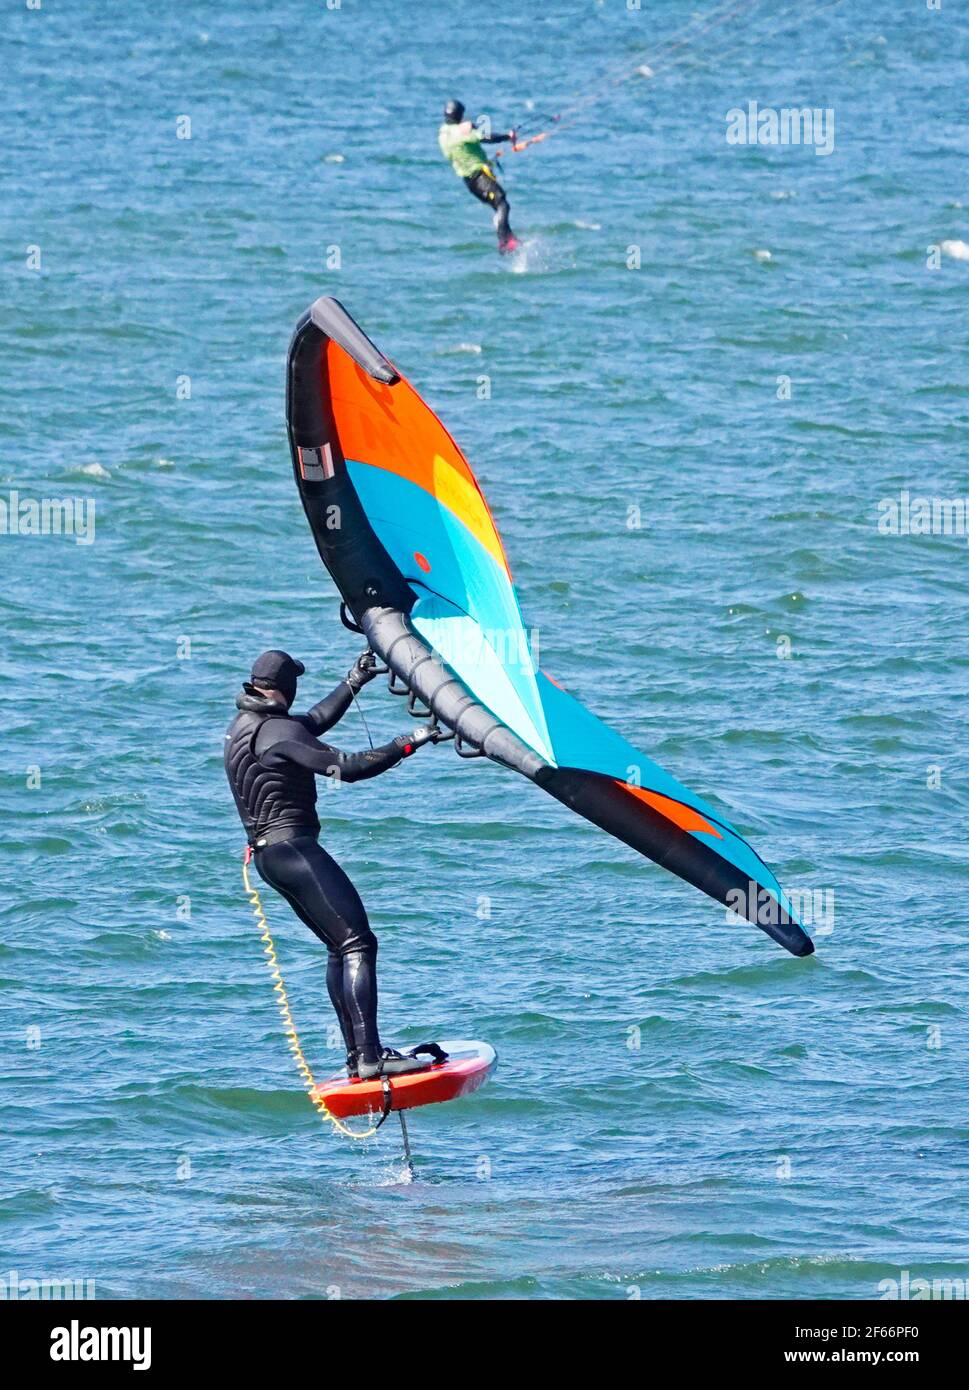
517,145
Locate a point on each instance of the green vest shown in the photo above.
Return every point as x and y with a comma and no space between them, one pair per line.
465,152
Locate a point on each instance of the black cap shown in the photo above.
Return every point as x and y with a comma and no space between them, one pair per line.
454,112
277,670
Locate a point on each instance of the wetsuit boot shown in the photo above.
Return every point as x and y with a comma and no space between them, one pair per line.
388,1062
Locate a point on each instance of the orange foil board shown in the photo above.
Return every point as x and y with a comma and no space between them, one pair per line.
468,1066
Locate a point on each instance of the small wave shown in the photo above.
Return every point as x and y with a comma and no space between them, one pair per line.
747,976
524,1286
30,1202
88,470
957,250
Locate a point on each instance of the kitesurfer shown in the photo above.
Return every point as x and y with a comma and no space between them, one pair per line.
461,143
272,760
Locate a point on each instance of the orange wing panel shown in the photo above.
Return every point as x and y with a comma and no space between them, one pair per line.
390,427
683,816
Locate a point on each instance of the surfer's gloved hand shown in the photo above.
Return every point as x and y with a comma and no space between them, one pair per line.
424,733
362,671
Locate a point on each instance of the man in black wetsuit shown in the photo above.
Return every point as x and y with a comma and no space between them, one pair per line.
272,760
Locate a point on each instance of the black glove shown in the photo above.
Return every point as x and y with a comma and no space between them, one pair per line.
424,733
363,670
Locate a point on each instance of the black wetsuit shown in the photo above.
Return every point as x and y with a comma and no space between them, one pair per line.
486,187
272,760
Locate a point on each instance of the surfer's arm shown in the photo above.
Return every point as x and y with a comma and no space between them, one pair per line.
331,709
327,761
469,131
302,749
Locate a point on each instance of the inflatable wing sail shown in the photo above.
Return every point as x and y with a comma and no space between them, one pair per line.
402,526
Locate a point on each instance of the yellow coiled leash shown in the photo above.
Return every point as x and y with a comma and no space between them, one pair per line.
282,999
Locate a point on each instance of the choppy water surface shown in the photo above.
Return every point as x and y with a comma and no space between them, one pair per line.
680,1108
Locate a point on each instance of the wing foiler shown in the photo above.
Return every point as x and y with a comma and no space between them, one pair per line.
401,524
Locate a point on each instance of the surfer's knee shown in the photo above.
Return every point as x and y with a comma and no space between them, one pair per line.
358,938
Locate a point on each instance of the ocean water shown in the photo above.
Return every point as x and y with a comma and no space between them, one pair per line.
681,1110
